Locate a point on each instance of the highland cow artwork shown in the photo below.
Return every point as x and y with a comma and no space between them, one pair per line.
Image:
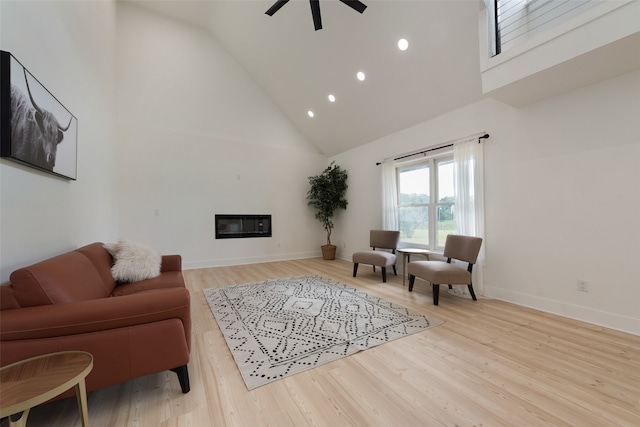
35,128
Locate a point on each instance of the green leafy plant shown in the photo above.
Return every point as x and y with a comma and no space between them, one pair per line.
327,194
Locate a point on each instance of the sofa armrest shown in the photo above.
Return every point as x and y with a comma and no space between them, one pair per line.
58,320
171,263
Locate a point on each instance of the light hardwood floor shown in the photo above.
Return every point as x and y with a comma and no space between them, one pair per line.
490,364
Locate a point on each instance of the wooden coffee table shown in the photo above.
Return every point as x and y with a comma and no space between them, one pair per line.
406,258
30,382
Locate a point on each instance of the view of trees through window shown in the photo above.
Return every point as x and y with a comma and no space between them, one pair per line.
425,220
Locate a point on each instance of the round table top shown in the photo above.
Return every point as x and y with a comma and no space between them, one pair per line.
413,250
33,381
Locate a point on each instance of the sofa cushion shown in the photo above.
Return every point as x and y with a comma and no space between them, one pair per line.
7,298
133,261
101,260
167,280
69,277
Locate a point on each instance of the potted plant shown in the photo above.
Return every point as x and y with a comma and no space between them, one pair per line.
326,195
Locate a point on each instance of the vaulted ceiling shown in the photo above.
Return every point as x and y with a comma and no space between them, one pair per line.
299,67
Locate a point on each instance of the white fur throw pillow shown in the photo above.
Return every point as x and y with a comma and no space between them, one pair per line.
133,261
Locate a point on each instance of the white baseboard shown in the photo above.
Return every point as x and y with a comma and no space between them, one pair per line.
223,262
601,318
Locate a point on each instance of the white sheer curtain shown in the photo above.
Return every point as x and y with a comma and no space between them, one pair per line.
469,194
389,196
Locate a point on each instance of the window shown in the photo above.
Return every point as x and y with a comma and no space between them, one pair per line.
512,22
426,202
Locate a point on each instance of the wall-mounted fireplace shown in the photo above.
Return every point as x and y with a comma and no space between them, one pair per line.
238,226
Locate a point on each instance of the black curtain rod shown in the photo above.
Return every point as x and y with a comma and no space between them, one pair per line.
485,136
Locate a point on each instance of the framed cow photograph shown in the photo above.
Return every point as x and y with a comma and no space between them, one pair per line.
35,128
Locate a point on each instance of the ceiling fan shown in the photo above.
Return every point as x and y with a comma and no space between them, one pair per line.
315,9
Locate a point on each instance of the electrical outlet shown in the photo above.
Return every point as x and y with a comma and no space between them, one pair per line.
583,286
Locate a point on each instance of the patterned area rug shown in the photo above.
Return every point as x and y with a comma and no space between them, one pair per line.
281,327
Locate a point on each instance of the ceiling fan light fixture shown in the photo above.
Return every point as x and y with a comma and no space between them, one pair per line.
356,5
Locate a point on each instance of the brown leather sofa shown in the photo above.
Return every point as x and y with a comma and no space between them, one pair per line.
71,302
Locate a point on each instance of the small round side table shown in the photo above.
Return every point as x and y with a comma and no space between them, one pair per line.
406,258
33,381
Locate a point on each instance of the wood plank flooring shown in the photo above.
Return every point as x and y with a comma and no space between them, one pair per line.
490,364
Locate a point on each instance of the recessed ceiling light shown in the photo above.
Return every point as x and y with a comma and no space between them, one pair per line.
332,98
310,113
360,75
403,44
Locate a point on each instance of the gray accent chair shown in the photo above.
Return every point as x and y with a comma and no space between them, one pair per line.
386,240
463,248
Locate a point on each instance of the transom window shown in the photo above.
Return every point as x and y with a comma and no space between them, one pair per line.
426,202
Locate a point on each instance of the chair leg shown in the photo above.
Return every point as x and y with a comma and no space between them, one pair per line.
473,294
355,268
412,279
395,272
374,268
183,378
436,294
384,274
450,287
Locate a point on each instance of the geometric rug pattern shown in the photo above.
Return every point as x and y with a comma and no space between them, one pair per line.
280,327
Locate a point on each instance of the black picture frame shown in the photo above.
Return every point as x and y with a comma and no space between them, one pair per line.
35,128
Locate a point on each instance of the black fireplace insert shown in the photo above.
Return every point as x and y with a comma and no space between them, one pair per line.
239,226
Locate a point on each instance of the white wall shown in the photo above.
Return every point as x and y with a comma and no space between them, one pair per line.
198,137
195,136
70,48
561,197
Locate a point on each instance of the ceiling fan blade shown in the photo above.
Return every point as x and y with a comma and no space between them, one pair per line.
276,7
355,4
315,11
